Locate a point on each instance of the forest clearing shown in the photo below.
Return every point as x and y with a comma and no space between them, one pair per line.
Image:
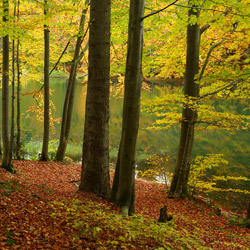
41,208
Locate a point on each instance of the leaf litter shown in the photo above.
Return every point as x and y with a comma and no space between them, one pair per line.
41,208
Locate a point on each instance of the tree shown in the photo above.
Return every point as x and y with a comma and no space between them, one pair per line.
123,191
6,163
95,161
189,115
18,115
69,98
45,154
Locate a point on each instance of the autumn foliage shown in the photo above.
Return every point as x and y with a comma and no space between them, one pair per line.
41,208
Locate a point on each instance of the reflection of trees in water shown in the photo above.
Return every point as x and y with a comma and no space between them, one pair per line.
233,146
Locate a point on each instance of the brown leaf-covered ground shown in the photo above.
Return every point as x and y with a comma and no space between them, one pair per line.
27,221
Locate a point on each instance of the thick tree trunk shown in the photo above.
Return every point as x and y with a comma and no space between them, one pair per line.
131,109
6,163
45,149
189,116
69,98
95,164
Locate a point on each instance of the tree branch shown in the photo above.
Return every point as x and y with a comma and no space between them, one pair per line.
60,57
213,47
198,8
230,85
156,12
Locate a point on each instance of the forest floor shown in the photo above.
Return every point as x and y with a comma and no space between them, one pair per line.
41,208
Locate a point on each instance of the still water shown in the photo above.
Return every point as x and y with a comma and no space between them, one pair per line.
235,146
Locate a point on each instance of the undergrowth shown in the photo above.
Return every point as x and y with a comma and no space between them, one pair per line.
98,224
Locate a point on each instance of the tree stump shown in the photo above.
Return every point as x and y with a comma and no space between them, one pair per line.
164,217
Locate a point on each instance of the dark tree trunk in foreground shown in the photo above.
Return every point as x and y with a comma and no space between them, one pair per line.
189,116
124,195
95,163
45,149
6,163
69,98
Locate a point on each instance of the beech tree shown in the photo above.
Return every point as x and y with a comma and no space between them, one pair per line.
123,191
6,162
189,115
45,154
69,98
18,104
95,159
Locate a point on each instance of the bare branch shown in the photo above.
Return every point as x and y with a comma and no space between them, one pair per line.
156,12
60,57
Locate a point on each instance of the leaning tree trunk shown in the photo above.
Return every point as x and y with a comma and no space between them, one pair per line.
69,98
95,163
189,116
45,149
6,163
131,111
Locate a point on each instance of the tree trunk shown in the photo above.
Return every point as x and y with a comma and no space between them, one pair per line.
95,163
6,163
18,115
12,129
248,211
69,98
131,109
189,116
45,149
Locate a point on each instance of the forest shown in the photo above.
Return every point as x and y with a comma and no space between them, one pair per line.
125,124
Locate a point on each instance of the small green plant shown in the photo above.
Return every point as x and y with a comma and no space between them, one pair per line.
9,239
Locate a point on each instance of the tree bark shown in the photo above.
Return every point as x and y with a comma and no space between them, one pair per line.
69,98
12,128
95,163
189,116
6,163
18,115
45,149
131,109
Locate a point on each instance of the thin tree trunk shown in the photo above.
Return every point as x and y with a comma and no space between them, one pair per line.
45,149
6,163
248,211
12,101
95,164
1,151
131,109
189,116
18,115
69,98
